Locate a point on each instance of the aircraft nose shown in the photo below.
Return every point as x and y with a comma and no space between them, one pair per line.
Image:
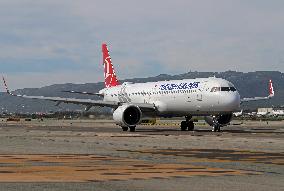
232,102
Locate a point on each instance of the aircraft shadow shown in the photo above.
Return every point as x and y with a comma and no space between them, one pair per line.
233,131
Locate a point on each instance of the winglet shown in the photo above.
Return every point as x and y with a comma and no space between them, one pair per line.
271,89
5,84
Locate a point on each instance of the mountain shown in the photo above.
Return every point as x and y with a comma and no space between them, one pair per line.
249,84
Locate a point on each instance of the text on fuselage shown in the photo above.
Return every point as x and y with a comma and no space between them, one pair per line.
180,86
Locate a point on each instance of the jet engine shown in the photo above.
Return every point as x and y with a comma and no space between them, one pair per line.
222,120
127,115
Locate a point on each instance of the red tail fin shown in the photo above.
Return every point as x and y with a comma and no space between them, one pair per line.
110,76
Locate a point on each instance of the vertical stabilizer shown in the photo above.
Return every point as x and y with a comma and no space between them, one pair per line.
5,84
109,73
271,89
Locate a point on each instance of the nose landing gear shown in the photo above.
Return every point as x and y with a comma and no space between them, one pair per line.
187,124
216,126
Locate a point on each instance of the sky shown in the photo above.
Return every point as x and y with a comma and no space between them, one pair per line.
46,42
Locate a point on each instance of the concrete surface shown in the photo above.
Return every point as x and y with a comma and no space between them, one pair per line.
97,155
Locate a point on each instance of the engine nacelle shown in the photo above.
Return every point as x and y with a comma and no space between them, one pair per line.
127,115
222,120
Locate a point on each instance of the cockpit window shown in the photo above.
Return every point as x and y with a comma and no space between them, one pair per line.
216,89
223,89
228,89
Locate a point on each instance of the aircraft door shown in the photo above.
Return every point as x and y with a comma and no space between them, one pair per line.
123,97
200,91
199,96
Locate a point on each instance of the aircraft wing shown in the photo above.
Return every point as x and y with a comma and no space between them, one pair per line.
86,102
59,100
84,93
271,94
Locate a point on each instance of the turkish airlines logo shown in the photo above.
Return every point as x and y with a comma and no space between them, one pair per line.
110,77
107,67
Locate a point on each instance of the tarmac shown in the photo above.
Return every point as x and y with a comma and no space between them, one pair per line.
98,155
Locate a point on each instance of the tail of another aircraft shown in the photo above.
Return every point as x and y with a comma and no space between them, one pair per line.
271,89
5,84
109,73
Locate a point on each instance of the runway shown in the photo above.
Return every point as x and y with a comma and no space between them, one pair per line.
97,155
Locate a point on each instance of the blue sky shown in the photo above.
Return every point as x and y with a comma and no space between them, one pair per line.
57,41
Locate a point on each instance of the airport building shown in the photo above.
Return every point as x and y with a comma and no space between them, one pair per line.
264,110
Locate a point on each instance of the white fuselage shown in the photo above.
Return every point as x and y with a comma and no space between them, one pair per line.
201,96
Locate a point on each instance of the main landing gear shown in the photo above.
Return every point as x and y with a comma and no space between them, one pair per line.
132,128
187,124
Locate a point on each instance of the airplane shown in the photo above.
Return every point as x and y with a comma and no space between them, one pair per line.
238,114
214,98
252,114
277,113
262,113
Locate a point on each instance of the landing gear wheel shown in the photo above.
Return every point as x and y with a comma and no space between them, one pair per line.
219,128
132,129
187,124
183,126
190,126
124,128
216,128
